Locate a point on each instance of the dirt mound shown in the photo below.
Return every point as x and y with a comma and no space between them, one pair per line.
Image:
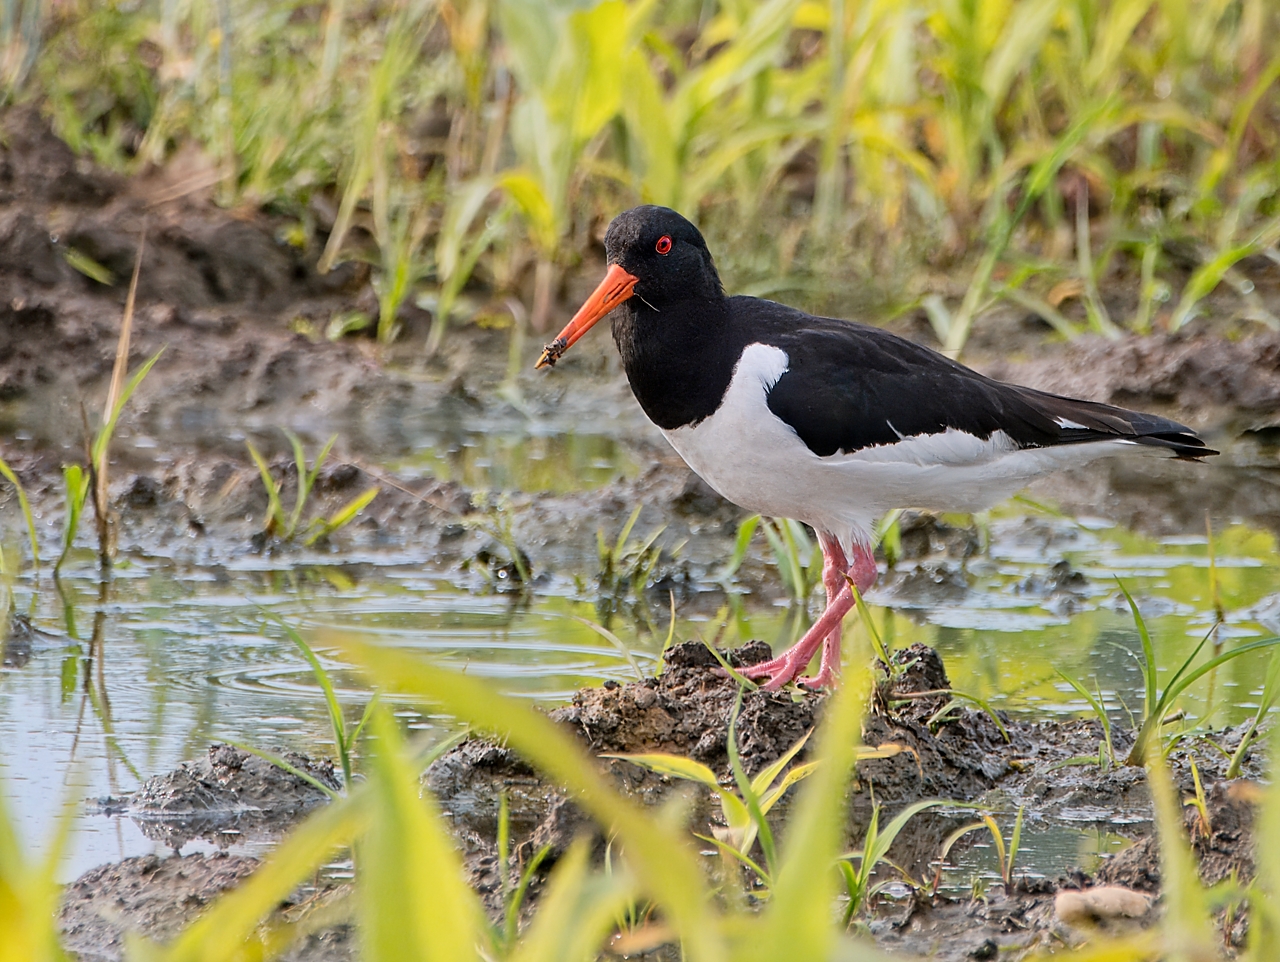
158,897
154,896
226,796
1223,848
686,711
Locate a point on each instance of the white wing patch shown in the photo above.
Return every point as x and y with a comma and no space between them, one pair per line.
1068,423
945,447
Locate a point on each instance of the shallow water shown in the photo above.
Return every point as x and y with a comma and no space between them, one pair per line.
148,670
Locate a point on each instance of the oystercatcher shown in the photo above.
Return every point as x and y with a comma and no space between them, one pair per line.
826,421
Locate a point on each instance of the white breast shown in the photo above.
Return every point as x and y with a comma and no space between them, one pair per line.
757,461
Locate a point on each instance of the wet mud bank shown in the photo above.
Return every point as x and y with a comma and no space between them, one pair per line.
979,762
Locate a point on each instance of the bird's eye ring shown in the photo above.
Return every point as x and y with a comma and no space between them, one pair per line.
664,245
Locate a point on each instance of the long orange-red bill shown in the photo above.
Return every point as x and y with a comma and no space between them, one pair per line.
613,290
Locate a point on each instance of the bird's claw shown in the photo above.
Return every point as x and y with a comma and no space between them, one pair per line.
773,675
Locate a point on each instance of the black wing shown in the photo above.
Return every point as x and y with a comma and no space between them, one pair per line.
849,386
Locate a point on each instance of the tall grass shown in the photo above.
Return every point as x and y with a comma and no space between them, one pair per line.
1108,166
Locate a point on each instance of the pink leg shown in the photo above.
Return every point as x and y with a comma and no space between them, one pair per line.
834,567
826,630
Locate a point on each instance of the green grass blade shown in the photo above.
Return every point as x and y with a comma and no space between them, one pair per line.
1182,681
1188,930
765,778
737,855
742,680
614,640
343,516
76,488
797,923
997,838
300,497
885,838
750,798
414,902
798,773
1149,678
105,432
576,912
1094,703
665,864
275,511
7,473
1264,900
677,766
981,703
336,719
741,545
354,737
864,615
1270,691
285,766
1015,842
511,919
625,533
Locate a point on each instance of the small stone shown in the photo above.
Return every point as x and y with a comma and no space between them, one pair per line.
1100,904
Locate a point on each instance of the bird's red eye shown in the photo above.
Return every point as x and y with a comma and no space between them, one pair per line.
664,245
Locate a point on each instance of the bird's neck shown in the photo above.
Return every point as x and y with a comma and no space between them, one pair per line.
679,359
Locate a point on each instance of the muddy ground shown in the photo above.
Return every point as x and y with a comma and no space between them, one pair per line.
240,314
965,758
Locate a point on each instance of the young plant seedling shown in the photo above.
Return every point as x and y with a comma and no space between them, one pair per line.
1157,703
494,515
741,544
795,557
1106,750
745,811
1006,851
874,852
284,525
627,564
1270,692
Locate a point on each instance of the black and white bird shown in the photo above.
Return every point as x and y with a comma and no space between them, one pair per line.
826,421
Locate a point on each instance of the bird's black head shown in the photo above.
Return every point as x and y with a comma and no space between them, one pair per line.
665,253
655,255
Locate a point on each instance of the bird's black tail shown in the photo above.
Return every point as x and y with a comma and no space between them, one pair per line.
1081,421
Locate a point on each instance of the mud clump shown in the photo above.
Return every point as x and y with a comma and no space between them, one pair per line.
227,795
686,710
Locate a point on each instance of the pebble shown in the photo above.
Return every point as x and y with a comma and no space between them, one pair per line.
1100,904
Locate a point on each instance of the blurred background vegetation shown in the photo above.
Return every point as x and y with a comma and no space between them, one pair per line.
1103,165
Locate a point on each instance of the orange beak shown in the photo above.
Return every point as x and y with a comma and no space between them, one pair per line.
613,290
